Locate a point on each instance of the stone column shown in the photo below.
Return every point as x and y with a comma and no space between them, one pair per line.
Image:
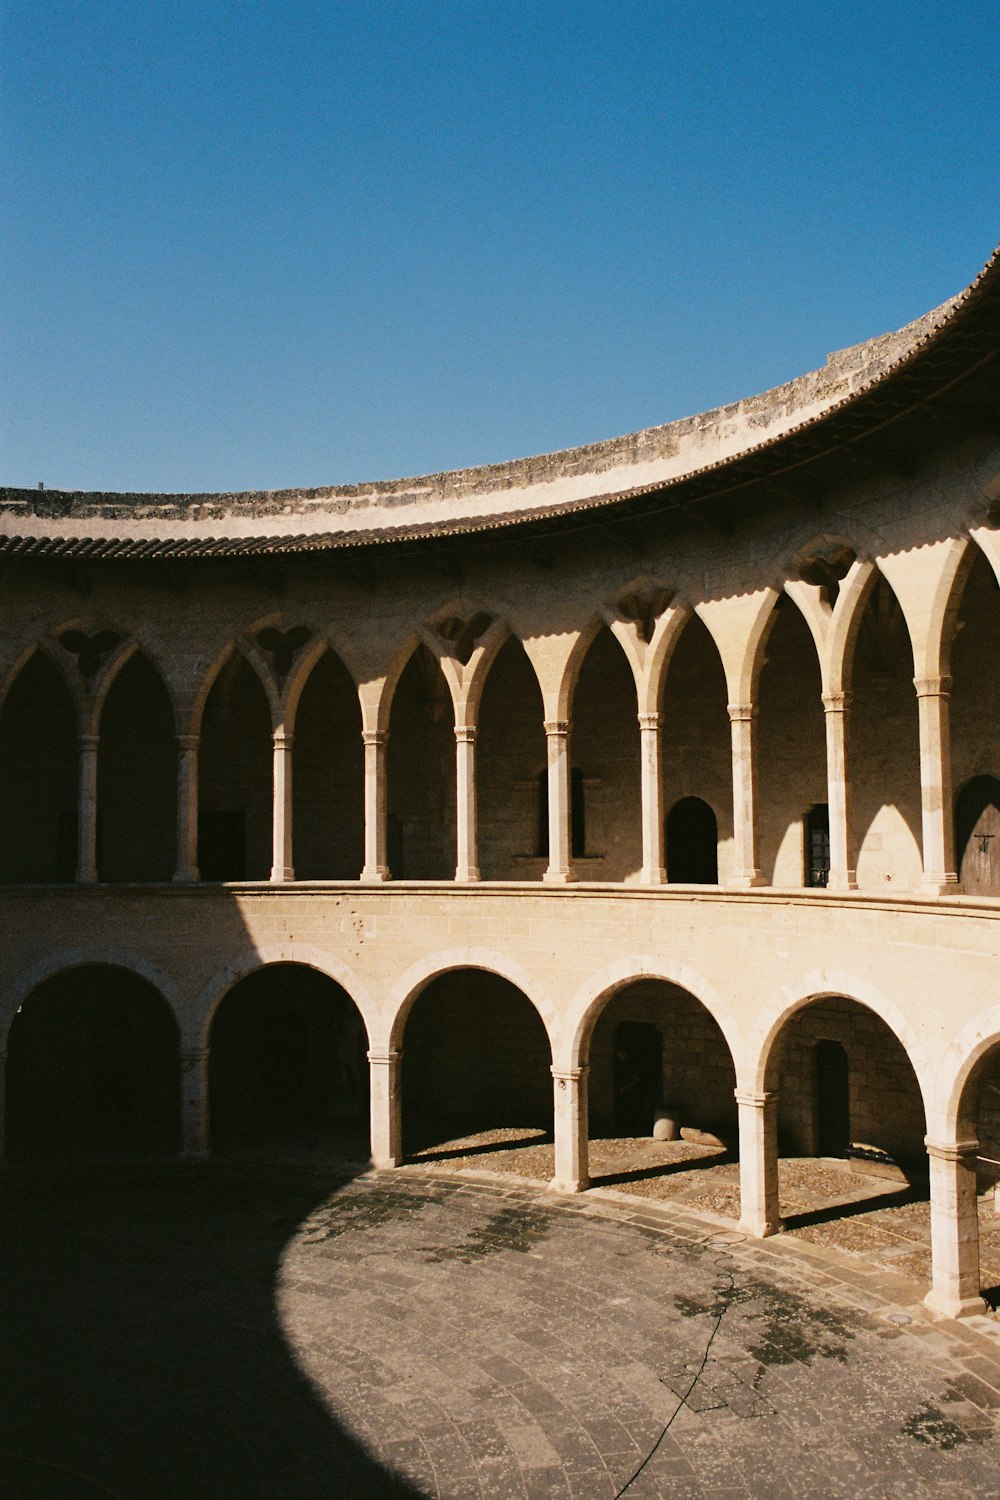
741,720
186,868
838,792
467,865
376,804
282,865
653,869
760,1214
559,871
933,703
194,1104
386,1108
571,1130
954,1289
86,853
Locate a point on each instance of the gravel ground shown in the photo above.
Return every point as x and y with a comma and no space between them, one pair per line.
892,1231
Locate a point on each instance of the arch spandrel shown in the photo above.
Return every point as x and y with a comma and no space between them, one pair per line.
739,626
199,1022
408,988
584,1009
753,1069
66,960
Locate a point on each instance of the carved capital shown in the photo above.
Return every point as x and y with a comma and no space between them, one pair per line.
376,737
933,687
564,1076
952,1151
557,728
188,742
741,713
465,734
283,740
650,721
385,1059
88,743
837,703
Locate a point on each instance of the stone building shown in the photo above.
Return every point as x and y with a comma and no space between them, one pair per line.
665,768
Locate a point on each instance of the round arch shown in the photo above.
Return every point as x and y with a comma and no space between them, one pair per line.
409,988
829,985
66,959
303,954
585,1008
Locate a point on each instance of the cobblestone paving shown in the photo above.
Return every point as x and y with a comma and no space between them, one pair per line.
825,1203
238,1331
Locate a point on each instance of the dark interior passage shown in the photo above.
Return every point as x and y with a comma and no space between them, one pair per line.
475,1056
137,777
234,777
92,1069
288,1063
421,765
39,771
692,843
328,781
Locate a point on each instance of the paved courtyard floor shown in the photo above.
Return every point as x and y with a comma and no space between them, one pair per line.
238,1330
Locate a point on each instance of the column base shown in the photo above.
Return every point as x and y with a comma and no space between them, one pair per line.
842,880
575,1185
944,1306
747,881
948,885
282,875
376,876
653,877
762,1231
463,876
385,1163
559,877
195,1154
186,877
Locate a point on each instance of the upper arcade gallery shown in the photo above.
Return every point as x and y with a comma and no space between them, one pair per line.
605,703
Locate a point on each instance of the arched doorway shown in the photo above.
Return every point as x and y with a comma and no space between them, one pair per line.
234,777
328,781
510,756
851,1121
606,797
92,1068
884,748
39,772
696,742
662,1083
422,773
791,748
288,1065
476,1061
977,836
136,777
975,731
692,843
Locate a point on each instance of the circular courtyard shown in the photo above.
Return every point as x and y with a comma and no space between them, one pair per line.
252,1330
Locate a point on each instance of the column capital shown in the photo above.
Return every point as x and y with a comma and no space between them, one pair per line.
283,739
88,741
953,1151
465,734
188,742
837,703
556,728
563,1076
933,687
375,736
385,1059
190,1057
741,713
650,721
754,1100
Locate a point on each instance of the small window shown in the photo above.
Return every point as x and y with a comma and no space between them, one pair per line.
818,845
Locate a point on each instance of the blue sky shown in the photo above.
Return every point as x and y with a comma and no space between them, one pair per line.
252,244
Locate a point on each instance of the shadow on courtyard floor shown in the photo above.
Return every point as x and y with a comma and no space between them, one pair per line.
141,1355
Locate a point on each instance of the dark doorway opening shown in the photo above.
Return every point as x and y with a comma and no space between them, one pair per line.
92,1069
977,844
692,843
288,1064
818,845
637,1076
833,1099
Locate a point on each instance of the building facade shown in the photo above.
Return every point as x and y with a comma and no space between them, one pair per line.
677,754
